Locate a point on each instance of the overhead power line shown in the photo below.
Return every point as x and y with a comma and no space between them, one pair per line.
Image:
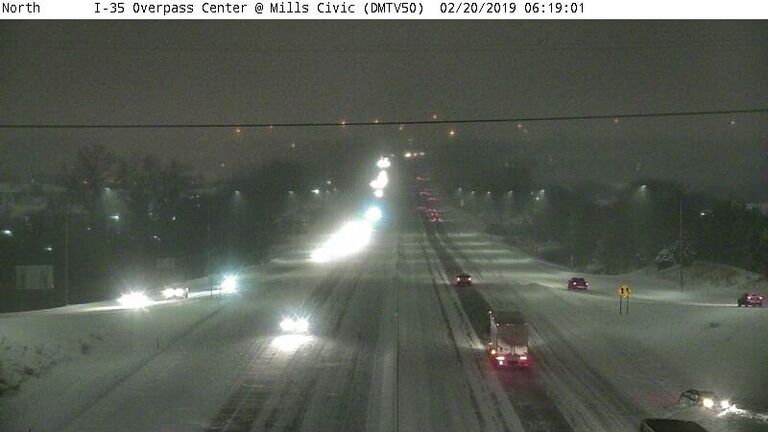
380,123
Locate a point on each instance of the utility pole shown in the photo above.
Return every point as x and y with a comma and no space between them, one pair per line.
66,255
208,246
681,244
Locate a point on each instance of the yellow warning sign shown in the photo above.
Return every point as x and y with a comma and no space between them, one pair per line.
624,291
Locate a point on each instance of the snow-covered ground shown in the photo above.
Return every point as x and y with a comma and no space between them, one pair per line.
670,341
61,361
388,346
390,342
55,364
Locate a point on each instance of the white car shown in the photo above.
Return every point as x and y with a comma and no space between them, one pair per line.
175,292
295,325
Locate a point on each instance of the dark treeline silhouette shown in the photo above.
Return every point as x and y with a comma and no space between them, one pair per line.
136,221
600,227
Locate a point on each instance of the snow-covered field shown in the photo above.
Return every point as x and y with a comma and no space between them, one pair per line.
670,341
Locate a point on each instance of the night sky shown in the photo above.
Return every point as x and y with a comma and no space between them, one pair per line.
292,71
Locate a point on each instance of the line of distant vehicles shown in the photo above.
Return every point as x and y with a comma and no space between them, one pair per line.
507,345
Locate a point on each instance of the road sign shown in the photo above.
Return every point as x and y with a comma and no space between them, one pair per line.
624,291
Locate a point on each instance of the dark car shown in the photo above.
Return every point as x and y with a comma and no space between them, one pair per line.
703,398
750,299
577,283
670,425
463,279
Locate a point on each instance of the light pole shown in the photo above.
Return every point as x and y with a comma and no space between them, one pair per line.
681,244
66,255
208,245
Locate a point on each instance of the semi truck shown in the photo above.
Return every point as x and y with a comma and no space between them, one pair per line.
508,345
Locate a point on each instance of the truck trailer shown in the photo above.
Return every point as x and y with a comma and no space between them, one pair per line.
508,345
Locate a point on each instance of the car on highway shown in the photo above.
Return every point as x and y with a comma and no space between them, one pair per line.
175,291
703,398
750,299
577,283
463,279
295,325
669,425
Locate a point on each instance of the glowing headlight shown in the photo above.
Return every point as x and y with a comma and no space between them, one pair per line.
373,214
295,325
500,358
351,238
383,163
724,404
134,300
229,285
173,293
287,324
708,403
301,325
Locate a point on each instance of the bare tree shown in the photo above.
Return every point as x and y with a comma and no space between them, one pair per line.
93,170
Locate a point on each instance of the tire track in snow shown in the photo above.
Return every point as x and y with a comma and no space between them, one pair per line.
617,412
306,381
245,404
536,410
138,366
450,336
468,334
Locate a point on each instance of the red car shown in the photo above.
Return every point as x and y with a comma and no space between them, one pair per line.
750,299
577,283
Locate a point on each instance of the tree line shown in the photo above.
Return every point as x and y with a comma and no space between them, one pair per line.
601,227
127,222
